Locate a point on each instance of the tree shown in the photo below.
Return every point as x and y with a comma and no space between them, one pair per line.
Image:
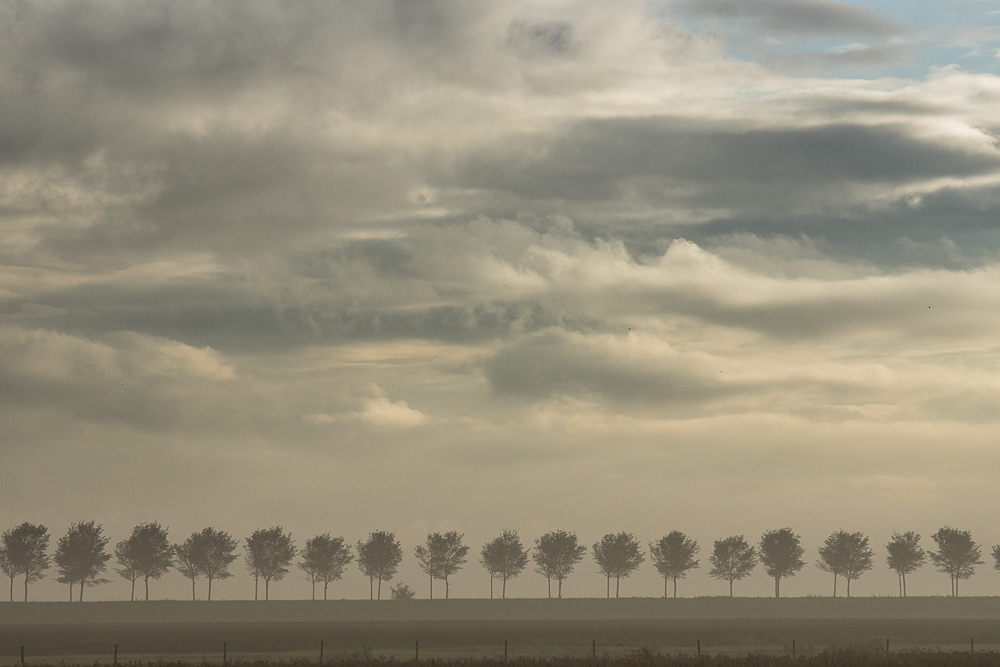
146,553
504,558
617,555
781,555
904,556
442,556
957,555
209,553
186,561
847,555
268,553
732,559
996,556
556,554
23,551
80,556
324,559
378,558
673,556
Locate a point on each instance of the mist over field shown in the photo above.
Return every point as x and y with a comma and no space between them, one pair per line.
418,266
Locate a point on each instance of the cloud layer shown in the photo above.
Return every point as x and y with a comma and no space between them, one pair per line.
512,264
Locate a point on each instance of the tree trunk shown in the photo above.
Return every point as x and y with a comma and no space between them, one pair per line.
560,589
380,588
147,589
371,588
326,584
12,587
132,596
491,585
255,580
609,587
82,582
618,586
956,585
848,587
446,587
25,588
834,584
209,588
675,588
549,580
777,587
432,586
903,576
730,588
267,586
71,591
503,594
194,597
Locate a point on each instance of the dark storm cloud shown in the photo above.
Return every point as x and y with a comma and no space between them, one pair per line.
597,159
825,17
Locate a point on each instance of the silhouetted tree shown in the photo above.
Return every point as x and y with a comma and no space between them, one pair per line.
673,556
209,552
442,556
80,556
23,551
324,559
504,557
146,553
957,555
378,558
904,556
996,556
268,553
732,559
186,562
845,554
781,555
556,554
617,555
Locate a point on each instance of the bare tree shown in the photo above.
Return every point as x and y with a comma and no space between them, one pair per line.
556,554
268,553
146,553
504,558
324,559
673,556
957,555
732,559
378,558
618,555
23,550
781,555
847,555
904,556
80,556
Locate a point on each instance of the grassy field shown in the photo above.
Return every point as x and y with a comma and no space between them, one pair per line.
89,643
241,611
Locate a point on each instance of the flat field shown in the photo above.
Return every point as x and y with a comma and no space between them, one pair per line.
87,633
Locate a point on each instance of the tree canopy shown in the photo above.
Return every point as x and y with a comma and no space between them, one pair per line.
325,558
378,558
80,557
673,555
957,555
147,553
23,550
781,555
441,556
618,555
556,554
905,556
208,552
732,559
847,555
267,553
504,558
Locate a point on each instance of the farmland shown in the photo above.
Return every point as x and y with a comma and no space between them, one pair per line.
466,629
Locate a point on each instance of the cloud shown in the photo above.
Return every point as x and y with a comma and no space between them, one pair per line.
826,17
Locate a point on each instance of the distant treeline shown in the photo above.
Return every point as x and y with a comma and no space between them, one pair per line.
81,557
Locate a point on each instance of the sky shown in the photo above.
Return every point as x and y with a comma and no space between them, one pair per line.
423,265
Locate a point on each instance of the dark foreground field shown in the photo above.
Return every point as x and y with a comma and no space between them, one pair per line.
45,643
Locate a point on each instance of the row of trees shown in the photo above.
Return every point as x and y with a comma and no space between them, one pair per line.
81,557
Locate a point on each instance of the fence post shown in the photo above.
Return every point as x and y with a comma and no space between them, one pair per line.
593,648
699,648
793,649
887,646
115,661
972,645
321,652
416,648
22,656
505,650
223,653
